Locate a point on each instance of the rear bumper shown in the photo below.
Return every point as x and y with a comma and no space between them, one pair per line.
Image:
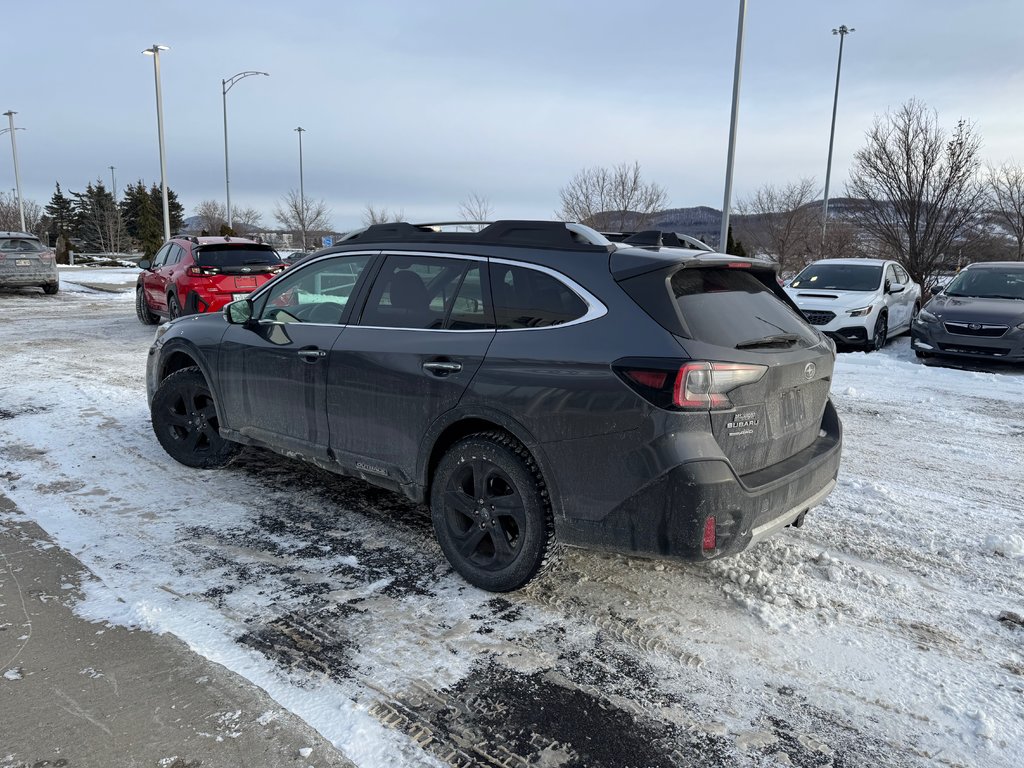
667,517
11,278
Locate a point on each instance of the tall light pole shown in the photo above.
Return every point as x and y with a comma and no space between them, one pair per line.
842,32
17,175
225,86
302,191
155,53
113,183
724,236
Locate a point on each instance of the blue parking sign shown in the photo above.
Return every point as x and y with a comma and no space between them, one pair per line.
328,241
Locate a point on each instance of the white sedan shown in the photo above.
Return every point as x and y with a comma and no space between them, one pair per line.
857,302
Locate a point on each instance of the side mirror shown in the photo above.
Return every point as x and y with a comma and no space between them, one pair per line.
937,289
145,264
238,312
897,288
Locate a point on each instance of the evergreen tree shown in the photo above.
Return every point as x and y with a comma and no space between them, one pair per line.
734,247
175,210
143,217
60,213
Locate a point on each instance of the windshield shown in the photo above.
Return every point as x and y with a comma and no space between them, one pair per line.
988,283
23,244
839,277
236,255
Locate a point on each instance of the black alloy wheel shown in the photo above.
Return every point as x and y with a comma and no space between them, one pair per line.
173,306
142,308
491,512
881,332
185,421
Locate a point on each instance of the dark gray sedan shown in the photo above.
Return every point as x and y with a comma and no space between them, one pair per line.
979,315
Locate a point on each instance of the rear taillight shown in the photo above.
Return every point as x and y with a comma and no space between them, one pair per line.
692,386
710,540
47,257
197,271
706,385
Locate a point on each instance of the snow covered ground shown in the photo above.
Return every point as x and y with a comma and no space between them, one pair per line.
870,637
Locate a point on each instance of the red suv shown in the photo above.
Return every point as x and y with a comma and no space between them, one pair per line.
190,275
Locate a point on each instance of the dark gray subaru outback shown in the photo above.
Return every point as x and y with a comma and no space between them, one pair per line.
534,383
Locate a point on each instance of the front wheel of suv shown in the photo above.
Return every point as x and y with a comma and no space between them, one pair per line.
878,339
491,512
142,309
186,424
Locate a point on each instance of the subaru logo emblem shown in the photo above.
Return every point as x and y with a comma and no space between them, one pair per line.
246,269
975,326
809,370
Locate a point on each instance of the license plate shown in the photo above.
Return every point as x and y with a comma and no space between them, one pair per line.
237,296
22,263
791,408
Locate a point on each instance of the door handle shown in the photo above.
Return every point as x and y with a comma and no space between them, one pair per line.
312,355
440,368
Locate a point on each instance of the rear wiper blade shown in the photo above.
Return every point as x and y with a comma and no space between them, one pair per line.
778,340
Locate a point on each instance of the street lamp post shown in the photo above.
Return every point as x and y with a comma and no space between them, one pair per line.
17,175
154,51
302,191
724,236
842,32
113,183
225,86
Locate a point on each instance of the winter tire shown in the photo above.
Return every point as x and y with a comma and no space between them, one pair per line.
878,339
186,424
173,306
491,512
51,288
142,309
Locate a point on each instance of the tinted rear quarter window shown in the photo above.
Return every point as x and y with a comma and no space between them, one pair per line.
529,298
236,255
728,306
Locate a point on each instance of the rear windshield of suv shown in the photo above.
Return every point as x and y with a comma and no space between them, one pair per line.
23,244
839,277
236,255
727,307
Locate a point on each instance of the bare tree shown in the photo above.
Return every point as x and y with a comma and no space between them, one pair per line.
1006,198
476,207
372,215
303,214
245,220
10,214
918,185
212,215
781,222
611,199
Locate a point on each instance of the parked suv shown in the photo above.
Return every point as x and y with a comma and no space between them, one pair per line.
532,382
858,302
25,261
189,275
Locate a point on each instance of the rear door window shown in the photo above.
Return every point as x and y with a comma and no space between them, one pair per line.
529,298
420,292
728,306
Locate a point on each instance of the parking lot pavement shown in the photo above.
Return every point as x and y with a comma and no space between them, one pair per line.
78,694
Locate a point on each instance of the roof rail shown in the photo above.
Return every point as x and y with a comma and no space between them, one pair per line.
542,234
657,238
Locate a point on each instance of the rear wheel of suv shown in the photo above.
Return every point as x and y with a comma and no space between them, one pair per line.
51,288
881,332
173,306
185,421
142,309
491,512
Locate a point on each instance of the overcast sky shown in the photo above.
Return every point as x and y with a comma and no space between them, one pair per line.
413,105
